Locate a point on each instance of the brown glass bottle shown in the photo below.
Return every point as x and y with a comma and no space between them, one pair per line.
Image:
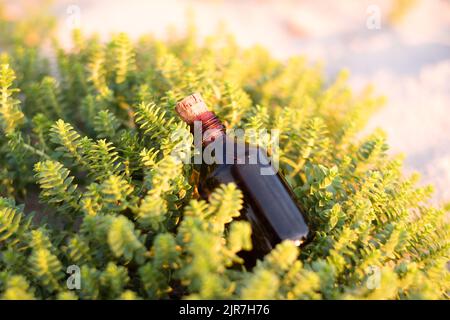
269,203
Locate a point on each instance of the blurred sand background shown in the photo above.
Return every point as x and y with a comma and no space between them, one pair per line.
407,58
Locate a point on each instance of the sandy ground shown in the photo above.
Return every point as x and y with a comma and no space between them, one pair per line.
408,61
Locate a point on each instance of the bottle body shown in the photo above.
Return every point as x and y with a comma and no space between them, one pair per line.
269,204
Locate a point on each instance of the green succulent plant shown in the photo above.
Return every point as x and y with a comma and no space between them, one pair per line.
88,177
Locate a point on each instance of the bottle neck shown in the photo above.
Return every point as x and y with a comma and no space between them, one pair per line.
211,127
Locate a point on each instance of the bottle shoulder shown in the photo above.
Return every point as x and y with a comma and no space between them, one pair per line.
230,150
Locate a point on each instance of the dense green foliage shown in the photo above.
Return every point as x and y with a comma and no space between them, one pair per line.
95,139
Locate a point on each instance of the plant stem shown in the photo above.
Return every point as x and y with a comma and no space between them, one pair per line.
36,151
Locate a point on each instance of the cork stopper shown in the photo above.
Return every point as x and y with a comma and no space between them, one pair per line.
191,107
